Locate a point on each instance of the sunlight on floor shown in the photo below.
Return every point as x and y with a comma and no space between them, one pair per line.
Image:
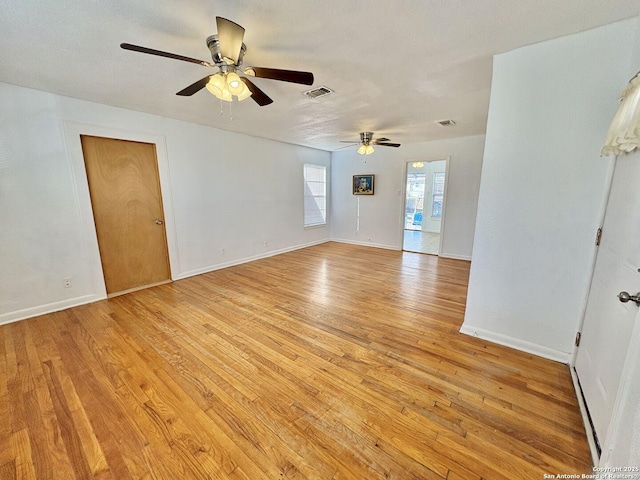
421,242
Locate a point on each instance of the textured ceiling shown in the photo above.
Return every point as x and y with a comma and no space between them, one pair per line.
396,66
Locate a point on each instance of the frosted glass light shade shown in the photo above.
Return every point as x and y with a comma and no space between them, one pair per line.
362,150
246,93
368,150
226,96
216,85
234,84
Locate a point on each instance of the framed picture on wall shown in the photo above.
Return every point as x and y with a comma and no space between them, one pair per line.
363,184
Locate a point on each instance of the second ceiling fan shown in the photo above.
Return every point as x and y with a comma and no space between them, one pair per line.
227,52
366,143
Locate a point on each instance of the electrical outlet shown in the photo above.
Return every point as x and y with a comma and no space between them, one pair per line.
66,283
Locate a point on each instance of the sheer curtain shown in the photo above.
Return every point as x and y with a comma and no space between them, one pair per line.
624,133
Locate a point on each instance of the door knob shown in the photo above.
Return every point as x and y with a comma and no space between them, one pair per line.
624,297
159,222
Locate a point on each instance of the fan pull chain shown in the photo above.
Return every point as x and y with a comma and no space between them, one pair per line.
230,110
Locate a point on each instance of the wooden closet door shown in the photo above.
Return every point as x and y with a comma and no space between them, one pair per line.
127,210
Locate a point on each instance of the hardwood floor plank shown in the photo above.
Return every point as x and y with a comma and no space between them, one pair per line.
5,401
90,444
42,461
44,429
68,430
8,470
330,362
112,426
13,382
23,463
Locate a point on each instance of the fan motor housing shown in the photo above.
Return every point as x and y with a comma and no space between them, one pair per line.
213,44
366,137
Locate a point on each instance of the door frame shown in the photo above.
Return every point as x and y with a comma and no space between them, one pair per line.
72,132
403,192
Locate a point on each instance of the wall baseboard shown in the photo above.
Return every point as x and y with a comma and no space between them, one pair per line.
453,256
240,261
522,345
18,315
366,244
585,418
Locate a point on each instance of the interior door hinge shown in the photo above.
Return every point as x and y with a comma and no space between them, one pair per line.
598,236
578,335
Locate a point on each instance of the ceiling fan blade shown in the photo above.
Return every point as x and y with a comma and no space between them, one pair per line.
349,141
293,76
382,140
257,95
194,87
385,144
230,36
159,53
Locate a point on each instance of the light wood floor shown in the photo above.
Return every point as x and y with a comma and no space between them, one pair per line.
332,362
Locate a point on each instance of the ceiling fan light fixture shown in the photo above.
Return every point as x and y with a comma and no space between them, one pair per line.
366,143
225,86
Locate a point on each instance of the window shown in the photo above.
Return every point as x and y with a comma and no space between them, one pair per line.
438,194
315,195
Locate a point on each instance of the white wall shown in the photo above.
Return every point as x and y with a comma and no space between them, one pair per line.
543,187
220,191
378,220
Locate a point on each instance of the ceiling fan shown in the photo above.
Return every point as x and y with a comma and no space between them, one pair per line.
227,52
366,143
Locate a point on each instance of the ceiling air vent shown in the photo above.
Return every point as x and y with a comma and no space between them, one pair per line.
318,92
446,123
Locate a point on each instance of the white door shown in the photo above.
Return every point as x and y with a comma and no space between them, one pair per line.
608,322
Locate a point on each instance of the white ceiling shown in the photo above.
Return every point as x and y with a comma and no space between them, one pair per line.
396,66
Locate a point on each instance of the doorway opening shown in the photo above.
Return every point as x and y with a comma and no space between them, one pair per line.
424,206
